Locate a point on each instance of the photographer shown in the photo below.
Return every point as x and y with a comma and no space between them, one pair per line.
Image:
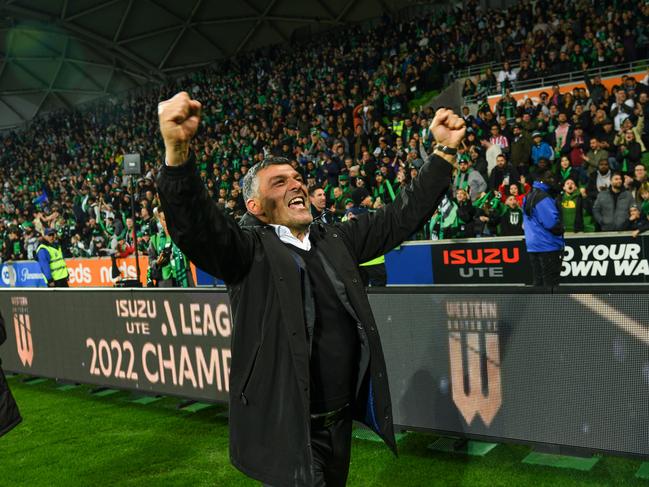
159,273
168,266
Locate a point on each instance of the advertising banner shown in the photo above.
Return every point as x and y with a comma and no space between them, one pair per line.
97,272
481,261
566,369
613,259
562,369
535,93
24,273
156,342
588,259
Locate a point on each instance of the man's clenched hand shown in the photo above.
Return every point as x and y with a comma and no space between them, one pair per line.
179,118
448,128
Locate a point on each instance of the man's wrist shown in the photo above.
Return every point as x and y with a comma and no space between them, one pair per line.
176,155
451,159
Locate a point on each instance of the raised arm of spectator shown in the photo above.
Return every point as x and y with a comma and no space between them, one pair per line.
372,235
207,236
422,150
639,126
589,84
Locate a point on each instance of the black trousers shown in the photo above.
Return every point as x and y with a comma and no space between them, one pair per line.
546,268
331,446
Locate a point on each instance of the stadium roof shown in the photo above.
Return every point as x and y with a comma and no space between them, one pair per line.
59,53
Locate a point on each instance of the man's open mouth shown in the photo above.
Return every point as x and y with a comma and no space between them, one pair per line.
297,203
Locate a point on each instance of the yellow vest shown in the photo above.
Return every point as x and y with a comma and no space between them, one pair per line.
58,269
397,127
377,261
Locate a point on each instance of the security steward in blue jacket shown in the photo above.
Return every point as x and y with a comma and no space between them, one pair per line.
544,231
306,354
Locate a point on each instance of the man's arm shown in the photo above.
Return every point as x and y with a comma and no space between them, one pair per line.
548,214
372,235
597,209
208,237
43,257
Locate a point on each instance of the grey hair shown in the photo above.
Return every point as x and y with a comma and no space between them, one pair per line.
251,182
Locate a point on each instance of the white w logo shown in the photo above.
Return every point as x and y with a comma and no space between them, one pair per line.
22,327
475,401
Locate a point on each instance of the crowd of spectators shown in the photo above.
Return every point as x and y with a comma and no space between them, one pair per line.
552,39
593,139
340,108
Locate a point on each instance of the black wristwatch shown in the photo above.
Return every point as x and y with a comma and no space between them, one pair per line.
446,149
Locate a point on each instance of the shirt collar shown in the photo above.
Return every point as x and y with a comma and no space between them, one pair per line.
287,237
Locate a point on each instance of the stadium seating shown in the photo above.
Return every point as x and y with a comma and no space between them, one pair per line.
350,108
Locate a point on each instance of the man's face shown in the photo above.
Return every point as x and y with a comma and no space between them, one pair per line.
616,182
500,161
569,186
603,167
594,144
511,202
464,166
318,199
640,172
282,197
50,238
563,118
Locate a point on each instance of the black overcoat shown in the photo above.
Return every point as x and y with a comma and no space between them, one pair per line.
269,374
9,414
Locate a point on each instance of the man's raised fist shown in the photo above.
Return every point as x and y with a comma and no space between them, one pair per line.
179,118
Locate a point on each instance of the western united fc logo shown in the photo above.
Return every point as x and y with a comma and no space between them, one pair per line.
474,354
23,330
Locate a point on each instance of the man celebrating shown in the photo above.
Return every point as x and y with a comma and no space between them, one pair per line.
306,355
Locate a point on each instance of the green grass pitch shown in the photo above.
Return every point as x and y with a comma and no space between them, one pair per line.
72,438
